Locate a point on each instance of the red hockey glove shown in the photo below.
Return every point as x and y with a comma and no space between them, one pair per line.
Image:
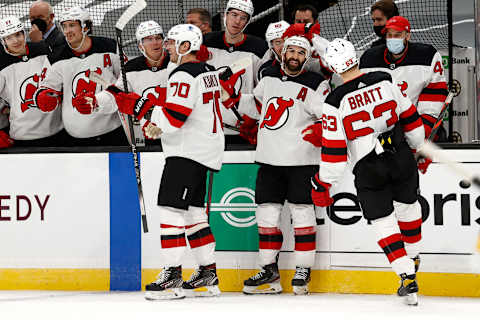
47,99
320,192
151,131
296,29
85,102
423,163
227,80
312,29
249,129
203,54
130,103
313,134
5,140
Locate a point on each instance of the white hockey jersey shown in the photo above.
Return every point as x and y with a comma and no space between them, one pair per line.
355,114
67,72
191,120
418,73
19,79
285,106
224,54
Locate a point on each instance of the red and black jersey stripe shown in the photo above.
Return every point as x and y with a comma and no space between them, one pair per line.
270,238
334,150
305,239
411,231
393,247
200,238
435,91
410,119
176,114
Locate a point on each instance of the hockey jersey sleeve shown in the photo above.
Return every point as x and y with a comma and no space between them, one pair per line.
251,104
51,76
182,93
409,119
106,100
315,105
334,146
432,97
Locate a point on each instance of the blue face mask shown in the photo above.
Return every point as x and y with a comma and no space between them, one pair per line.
395,45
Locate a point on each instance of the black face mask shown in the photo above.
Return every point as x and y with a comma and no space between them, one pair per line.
378,31
41,24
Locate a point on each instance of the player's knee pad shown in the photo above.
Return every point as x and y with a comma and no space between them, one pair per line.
407,211
303,215
195,215
172,216
389,237
268,215
409,221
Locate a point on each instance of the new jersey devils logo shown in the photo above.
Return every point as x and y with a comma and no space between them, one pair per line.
81,83
157,95
277,113
27,90
403,87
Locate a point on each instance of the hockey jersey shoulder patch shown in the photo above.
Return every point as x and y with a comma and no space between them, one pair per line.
193,68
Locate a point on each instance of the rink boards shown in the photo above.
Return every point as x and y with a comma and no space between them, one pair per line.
71,222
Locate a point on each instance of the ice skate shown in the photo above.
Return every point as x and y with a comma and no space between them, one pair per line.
202,283
408,289
300,281
264,282
167,286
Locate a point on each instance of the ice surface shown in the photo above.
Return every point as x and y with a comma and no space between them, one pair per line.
63,305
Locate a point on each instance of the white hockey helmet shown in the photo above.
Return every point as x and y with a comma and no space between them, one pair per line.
148,28
185,32
341,55
299,42
76,14
8,26
275,30
242,5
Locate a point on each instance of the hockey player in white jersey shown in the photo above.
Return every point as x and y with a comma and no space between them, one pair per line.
273,35
286,101
416,67
233,44
193,141
67,76
355,116
21,66
147,76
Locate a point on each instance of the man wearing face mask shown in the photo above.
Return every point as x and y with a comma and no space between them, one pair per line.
380,12
416,67
43,27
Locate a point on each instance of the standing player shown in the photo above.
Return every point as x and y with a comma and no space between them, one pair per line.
190,126
285,101
20,73
146,75
233,44
416,67
355,115
273,35
66,74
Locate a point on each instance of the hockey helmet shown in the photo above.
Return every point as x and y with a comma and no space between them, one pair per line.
299,42
275,30
75,14
10,25
148,28
341,55
242,5
185,32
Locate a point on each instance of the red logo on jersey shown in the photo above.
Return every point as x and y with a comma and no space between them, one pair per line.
81,83
157,95
403,87
27,90
277,113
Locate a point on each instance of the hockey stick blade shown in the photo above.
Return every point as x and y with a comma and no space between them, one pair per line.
228,126
444,110
95,77
430,150
131,11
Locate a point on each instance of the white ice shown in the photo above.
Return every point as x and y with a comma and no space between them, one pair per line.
63,305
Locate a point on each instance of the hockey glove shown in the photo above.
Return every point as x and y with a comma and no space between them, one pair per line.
296,29
130,103
85,103
249,129
47,99
311,30
320,192
151,131
203,54
227,81
423,163
5,140
313,134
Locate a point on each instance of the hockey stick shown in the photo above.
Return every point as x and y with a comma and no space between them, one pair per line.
430,150
131,11
439,121
209,193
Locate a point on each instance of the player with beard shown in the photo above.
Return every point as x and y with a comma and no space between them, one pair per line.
20,73
67,76
287,102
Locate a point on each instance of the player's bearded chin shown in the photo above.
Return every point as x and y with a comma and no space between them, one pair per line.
292,67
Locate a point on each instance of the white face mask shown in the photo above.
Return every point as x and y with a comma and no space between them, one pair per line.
395,45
